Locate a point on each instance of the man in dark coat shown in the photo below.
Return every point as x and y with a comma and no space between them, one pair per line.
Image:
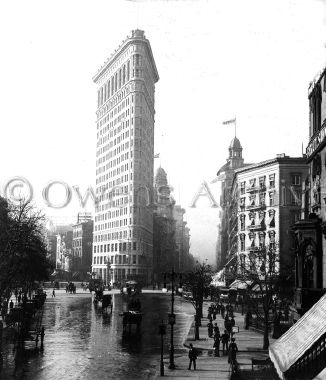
192,357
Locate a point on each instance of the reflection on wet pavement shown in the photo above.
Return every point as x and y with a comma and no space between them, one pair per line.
81,342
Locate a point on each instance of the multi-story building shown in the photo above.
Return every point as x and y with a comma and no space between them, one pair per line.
225,177
182,238
171,234
265,202
164,244
55,235
82,245
64,251
123,227
310,231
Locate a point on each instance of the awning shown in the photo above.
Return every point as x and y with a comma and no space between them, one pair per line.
238,284
299,338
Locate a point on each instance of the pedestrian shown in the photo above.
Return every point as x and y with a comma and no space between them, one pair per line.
210,329
233,349
218,308
11,305
214,313
216,345
232,321
19,298
222,311
53,293
192,357
216,330
226,319
231,311
225,342
228,325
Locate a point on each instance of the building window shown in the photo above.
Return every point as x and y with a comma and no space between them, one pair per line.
242,204
242,222
262,239
242,242
252,183
271,235
252,239
128,70
271,215
262,183
271,198
242,188
272,181
295,179
262,219
252,200
262,199
134,246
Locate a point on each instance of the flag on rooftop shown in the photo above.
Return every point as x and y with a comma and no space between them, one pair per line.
231,121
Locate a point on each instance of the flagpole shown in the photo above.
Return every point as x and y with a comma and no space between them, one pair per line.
235,127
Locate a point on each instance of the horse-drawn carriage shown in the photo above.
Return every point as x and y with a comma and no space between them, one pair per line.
104,299
131,288
130,318
133,316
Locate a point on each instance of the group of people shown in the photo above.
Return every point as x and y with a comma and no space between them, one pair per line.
219,308
21,297
229,345
71,288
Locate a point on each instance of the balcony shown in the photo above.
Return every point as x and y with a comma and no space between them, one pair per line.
253,189
257,227
260,206
256,249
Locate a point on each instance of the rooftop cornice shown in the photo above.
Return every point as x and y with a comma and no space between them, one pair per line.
135,37
280,160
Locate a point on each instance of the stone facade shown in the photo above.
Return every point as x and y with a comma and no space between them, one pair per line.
123,226
265,203
171,234
225,177
82,246
310,231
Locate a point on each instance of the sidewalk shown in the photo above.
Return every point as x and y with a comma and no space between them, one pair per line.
208,366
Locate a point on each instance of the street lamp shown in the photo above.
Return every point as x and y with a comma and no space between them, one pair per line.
162,331
172,275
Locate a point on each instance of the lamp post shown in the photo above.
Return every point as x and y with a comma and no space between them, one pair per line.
172,275
162,331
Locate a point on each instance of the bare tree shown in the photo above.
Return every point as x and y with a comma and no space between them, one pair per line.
261,269
22,246
198,282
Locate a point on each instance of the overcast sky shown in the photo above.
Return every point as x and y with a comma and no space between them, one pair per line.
251,59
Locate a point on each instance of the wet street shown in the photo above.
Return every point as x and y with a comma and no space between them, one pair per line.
81,342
